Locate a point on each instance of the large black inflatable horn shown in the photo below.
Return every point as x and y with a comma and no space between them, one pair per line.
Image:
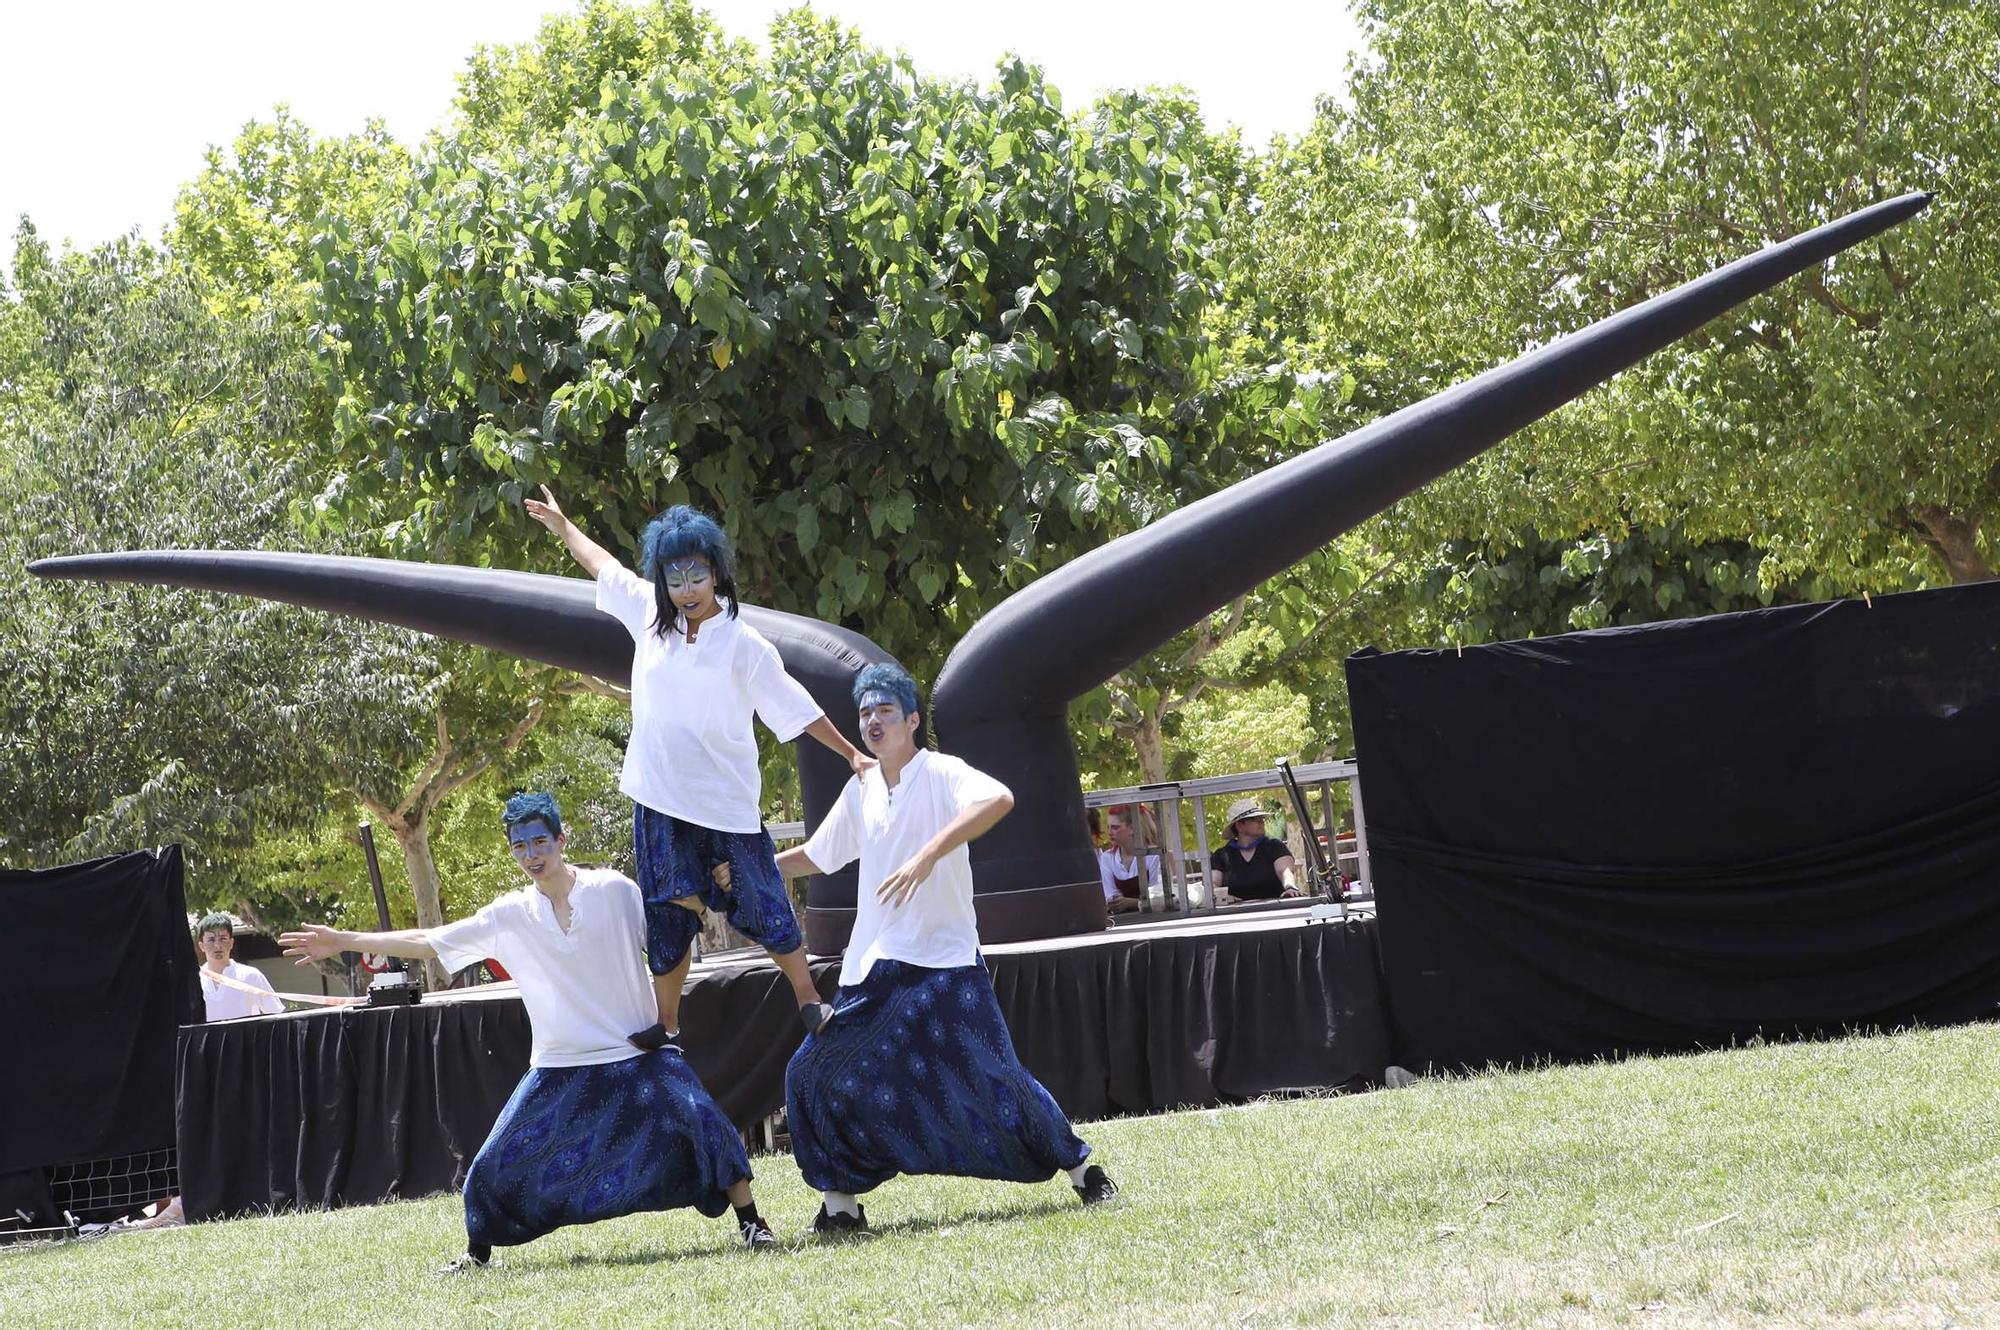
1002,700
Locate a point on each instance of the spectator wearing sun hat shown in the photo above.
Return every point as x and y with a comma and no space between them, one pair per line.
1251,866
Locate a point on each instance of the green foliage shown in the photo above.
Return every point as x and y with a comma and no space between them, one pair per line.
915,341
1228,730
1483,591
140,715
1506,173
246,222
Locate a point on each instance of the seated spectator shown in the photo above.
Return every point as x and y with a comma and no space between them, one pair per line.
220,975
1252,866
1126,871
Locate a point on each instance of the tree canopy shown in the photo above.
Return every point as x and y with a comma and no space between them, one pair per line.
1535,166
913,340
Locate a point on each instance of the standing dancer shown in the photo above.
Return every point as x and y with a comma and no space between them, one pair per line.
698,677
597,1128
918,1074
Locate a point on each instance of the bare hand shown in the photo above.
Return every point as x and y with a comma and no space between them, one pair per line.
547,511
860,763
902,884
313,942
720,874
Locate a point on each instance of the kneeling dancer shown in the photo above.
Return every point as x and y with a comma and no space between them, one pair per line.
918,1073
598,1128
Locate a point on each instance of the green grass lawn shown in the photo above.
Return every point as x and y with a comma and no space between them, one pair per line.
1846,1183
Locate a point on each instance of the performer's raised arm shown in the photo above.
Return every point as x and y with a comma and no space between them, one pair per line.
593,556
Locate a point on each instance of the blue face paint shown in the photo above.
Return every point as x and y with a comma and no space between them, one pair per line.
871,700
686,574
522,834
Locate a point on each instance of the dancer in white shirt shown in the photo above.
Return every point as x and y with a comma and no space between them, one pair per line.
917,1074
597,1128
698,679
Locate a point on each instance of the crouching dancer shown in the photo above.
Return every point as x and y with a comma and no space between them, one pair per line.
598,1128
917,1074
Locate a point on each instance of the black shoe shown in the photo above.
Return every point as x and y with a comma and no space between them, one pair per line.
476,1256
816,1016
830,1227
756,1234
1097,1187
654,1037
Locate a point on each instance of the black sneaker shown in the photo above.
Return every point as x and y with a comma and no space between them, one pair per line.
1097,1187
476,1256
756,1234
816,1016
654,1037
830,1227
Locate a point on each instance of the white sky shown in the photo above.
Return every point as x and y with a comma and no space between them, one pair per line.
106,106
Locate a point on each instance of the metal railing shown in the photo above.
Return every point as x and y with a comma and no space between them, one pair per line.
1183,878
1184,875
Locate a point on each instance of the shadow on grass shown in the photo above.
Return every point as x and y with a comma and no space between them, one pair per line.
912,1227
991,1215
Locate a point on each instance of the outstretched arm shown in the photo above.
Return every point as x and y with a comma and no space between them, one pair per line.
969,825
794,863
317,942
593,556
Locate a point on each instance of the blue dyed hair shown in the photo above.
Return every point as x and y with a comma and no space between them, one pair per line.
884,677
526,807
682,532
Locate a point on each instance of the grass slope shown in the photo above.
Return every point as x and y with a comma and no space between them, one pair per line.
1835,1184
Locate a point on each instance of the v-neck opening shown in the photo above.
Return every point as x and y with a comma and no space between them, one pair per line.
555,916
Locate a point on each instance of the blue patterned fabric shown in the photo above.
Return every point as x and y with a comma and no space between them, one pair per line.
675,859
578,1144
916,1074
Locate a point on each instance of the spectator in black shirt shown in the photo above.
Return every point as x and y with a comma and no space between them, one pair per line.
1251,866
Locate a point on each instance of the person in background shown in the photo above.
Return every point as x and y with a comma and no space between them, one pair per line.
223,981
1251,866
1128,873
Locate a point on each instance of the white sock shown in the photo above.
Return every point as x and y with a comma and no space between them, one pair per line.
840,1203
1076,1174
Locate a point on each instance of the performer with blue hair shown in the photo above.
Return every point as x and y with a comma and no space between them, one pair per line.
597,1128
918,1073
699,676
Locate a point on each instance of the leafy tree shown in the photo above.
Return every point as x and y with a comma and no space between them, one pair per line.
245,224
1506,173
916,341
131,415
1484,591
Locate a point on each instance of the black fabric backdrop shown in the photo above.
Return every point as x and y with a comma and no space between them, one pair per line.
1677,835
88,1031
351,1106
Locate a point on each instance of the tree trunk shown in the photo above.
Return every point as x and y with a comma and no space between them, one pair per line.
1146,743
1955,541
413,834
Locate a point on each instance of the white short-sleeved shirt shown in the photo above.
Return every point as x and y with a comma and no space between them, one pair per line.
693,753
885,828
585,990
227,1004
1111,865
